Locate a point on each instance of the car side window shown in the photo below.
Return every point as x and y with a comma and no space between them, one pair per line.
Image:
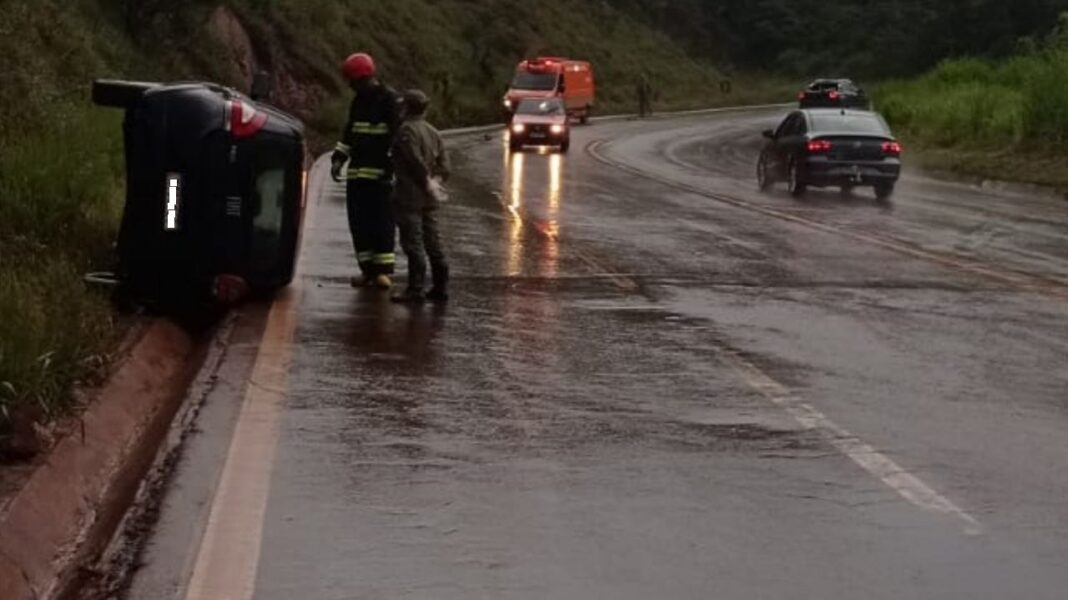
788,127
783,127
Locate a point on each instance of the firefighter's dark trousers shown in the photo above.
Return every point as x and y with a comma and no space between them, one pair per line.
371,225
420,239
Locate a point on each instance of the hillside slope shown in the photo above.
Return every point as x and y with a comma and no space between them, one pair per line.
61,167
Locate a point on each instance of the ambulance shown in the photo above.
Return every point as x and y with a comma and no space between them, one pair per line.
553,77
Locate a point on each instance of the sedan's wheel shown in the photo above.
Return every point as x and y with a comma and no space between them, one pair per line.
797,187
565,146
763,177
883,191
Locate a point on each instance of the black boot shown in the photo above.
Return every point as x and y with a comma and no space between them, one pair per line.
440,291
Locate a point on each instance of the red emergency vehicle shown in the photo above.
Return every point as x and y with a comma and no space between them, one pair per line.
554,77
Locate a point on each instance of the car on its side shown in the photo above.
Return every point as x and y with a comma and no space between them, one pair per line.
824,147
540,122
836,93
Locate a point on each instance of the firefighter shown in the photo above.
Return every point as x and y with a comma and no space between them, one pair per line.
374,117
421,164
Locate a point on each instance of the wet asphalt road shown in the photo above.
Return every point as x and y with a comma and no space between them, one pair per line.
653,382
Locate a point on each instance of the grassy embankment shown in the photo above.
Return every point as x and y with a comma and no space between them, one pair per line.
61,192
989,119
60,158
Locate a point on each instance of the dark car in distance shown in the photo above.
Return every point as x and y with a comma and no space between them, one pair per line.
835,93
823,147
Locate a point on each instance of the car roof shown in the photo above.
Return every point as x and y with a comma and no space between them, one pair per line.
842,112
831,80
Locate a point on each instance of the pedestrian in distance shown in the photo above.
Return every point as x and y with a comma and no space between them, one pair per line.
374,117
422,166
645,97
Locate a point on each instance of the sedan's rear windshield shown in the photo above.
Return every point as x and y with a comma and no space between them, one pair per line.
863,124
542,82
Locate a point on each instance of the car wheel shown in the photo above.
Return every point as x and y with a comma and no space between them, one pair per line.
883,191
585,118
515,146
565,146
797,187
763,177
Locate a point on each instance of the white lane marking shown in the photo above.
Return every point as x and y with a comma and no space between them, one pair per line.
882,467
1020,281
228,559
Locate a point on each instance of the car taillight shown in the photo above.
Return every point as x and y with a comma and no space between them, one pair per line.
243,120
818,146
801,95
833,95
891,148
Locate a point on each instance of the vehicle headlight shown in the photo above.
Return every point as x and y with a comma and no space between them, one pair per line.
557,129
519,128
507,103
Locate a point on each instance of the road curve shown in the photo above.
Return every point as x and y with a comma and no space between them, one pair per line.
653,381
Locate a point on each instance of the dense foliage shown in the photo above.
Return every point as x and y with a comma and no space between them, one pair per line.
1008,117
868,38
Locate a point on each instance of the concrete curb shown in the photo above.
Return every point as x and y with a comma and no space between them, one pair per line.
65,513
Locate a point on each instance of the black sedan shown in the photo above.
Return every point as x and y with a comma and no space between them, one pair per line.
839,93
824,147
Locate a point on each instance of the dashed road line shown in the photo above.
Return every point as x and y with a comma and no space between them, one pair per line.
882,467
1014,279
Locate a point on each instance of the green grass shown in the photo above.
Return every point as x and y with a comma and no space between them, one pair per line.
59,201
1005,119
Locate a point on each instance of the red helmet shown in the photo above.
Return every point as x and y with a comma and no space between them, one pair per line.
358,66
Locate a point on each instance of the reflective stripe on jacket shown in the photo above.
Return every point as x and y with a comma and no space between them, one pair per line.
374,117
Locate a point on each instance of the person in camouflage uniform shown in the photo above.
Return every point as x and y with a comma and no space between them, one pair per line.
421,164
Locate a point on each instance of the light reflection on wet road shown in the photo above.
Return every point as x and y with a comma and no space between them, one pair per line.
576,423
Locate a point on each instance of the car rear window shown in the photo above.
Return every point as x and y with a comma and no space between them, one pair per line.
836,123
821,86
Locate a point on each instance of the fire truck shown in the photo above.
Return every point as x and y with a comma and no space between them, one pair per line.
553,77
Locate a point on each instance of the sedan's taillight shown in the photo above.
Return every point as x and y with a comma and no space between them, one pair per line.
833,94
892,148
819,146
243,120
